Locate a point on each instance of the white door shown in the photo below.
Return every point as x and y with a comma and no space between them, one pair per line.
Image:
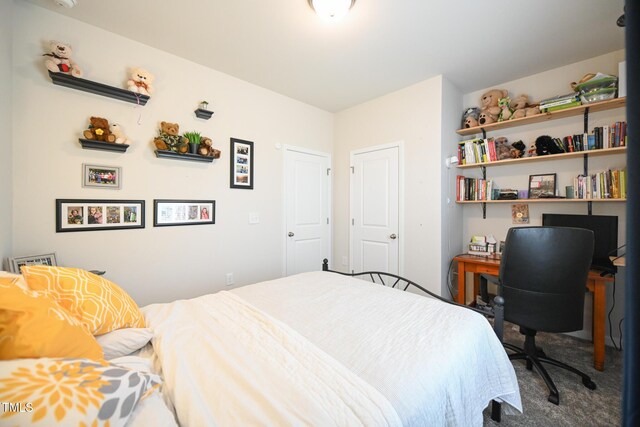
375,188
307,179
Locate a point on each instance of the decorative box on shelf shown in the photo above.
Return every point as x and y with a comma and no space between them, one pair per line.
89,144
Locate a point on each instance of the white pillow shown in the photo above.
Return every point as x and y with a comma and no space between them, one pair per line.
122,342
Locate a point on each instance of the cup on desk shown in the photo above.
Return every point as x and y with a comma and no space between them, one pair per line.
569,191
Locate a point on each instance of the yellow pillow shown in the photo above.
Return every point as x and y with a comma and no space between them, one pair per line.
33,325
12,278
101,305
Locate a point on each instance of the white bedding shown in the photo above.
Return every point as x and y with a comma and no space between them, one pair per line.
434,363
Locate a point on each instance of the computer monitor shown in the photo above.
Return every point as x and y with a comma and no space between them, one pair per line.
605,233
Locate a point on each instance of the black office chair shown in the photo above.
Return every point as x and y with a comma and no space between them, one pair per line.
543,274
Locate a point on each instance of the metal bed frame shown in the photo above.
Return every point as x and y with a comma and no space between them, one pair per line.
398,282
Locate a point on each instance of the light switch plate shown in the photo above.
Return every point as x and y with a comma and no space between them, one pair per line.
254,218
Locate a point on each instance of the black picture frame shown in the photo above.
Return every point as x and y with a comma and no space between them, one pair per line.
542,185
172,212
241,164
82,214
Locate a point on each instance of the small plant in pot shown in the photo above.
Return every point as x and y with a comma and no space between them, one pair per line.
204,105
194,141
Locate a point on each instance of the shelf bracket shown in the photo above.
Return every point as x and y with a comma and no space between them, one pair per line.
586,120
484,133
484,210
484,172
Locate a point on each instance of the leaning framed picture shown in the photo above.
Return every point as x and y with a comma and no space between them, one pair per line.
183,212
94,215
542,185
241,158
101,176
14,264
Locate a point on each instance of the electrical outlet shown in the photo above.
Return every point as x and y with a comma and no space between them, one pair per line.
254,218
229,278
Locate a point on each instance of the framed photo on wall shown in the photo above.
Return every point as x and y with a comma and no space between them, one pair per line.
542,185
101,176
183,212
241,158
93,215
14,264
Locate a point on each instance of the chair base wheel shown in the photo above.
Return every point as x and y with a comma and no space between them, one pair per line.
589,384
554,398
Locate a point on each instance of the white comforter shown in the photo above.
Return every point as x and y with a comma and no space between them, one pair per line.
436,364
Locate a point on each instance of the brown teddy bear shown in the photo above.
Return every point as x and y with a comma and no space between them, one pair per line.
489,101
99,130
486,118
169,138
206,148
519,105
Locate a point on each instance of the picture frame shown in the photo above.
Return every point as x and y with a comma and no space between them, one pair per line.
15,263
98,214
543,185
241,164
102,176
169,212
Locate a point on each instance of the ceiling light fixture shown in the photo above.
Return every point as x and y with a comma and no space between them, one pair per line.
66,3
331,9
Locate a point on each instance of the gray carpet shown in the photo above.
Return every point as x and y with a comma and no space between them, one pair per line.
579,406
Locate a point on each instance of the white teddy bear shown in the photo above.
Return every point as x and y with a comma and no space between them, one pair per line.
140,81
59,60
116,129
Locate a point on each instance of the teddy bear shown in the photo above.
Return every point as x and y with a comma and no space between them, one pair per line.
117,131
470,117
505,109
503,150
206,148
532,110
99,130
486,118
489,101
140,81
169,138
59,60
519,105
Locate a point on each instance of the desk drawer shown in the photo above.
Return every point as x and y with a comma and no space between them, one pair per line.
480,269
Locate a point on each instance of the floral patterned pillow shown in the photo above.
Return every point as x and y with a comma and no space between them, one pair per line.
70,392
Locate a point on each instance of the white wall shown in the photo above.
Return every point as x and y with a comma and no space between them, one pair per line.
152,264
498,221
412,115
6,59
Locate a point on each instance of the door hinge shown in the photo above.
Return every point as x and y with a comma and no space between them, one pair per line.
353,221
328,170
352,169
327,221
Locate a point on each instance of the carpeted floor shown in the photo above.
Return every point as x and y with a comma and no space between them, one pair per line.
579,406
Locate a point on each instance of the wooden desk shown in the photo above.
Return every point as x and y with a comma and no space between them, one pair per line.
595,283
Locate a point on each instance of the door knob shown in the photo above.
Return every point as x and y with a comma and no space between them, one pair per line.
393,236
291,234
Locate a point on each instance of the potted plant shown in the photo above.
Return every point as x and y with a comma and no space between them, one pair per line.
194,141
204,105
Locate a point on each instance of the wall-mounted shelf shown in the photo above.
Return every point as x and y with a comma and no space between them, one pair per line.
203,114
68,80
186,156
601,152
542,201
569,112
89,144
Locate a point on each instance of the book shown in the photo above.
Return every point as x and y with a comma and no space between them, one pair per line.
559,103
563,106
572,95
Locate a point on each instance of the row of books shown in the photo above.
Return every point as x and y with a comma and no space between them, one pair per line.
477,151
474,151
610,184
560,102
473,188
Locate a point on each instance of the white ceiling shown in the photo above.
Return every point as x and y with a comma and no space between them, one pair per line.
381,46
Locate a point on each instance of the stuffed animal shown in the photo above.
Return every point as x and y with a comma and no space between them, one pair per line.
503,150
59,60
518,149
470,117
206,148
505,109
486,118
99,130
169,138
519,105
545,145
140,81
489,101
117,131
532,111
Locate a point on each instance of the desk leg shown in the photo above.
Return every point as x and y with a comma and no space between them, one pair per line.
599,307
461,283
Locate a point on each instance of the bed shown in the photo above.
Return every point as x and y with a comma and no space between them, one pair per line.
318,348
